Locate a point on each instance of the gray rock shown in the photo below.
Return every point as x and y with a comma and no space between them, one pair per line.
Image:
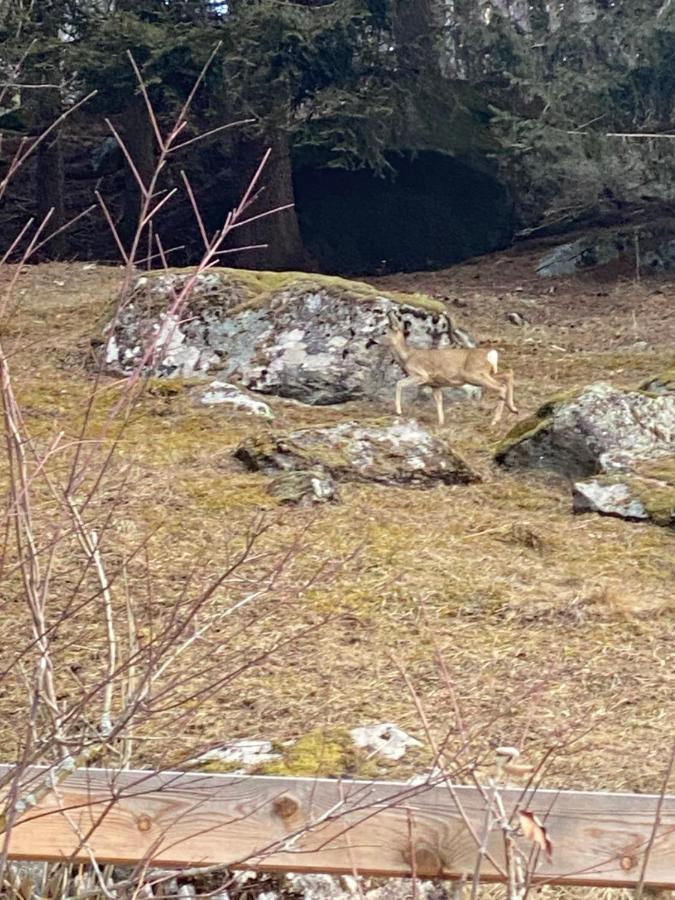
308,337
385,739
221,392
304,487
603,429
650,247
583,253
647,492
607,499
401,452
237,757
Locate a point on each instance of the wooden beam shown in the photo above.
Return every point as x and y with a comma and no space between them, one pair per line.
321,825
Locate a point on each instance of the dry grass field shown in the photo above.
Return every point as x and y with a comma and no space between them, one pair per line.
551,628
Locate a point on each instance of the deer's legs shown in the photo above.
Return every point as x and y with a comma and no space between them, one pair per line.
408,381
507,378
438,400
502,384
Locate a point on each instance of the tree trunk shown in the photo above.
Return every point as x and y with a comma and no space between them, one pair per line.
139,139
50,174
50,178
279,231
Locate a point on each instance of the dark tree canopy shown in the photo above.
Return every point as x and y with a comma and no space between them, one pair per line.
523,94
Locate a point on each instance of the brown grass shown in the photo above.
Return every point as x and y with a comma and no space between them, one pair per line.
550,625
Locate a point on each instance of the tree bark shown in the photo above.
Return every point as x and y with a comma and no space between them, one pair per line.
139,139
50,177
279,231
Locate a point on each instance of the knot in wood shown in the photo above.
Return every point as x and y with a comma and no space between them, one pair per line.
144,823
425,860
628,862
286,806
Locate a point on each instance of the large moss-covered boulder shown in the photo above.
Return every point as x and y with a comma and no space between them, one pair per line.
601,429
645,494
393,452
309,337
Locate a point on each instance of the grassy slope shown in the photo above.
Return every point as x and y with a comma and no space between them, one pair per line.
548,624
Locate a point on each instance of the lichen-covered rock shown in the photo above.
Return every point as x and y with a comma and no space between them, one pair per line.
602,429
304,487
609,499
395,453
309,337
645,493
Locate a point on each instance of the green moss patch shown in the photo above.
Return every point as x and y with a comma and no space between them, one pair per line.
327,753
526,428
250,289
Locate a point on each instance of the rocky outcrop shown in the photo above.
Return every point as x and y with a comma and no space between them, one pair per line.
624,439
650,248
393,453
309,337
601,429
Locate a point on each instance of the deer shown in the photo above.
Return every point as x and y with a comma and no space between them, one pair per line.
448,367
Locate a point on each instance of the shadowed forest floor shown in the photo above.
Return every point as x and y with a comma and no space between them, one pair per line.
551,627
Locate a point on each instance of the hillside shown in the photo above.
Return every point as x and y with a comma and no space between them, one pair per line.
551,627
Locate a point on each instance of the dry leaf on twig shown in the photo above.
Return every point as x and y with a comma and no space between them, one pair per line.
534,830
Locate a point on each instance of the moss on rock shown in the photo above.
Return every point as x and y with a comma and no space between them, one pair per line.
654,484
251,289
326,753
523,430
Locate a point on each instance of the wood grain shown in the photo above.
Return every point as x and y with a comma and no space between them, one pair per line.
322,825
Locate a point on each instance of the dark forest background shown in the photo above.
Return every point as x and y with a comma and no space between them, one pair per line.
409,134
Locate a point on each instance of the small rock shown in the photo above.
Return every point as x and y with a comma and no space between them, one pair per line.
248,753
385,739
607,499
566,259
220,392
304,487
515,318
